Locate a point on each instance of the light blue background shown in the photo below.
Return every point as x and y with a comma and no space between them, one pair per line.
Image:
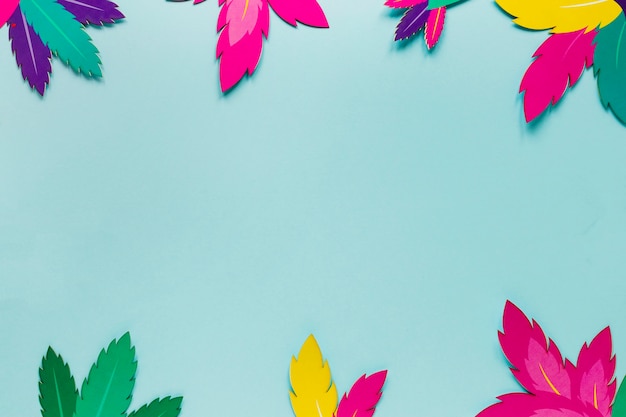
386,199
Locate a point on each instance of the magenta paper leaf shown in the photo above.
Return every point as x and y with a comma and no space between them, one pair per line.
596,366
307,12
403,4
7,8
434,26
557,388
94,12
537,363
243,24
363,396
413,21
559,63
31,55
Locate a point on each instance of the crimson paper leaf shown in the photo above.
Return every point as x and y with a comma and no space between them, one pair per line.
32,56
363,396
94,12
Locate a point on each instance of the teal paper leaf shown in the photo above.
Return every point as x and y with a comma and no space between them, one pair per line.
63,34
166,407
619,406
108,389
609,66
57,389
434,4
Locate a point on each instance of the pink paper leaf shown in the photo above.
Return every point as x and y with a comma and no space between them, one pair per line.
595,369
526,405
537,363
559,62
402,4
307,12
243,24
434,26
7,7
363,396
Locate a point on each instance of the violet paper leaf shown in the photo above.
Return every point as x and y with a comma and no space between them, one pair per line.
413,21
93,12
33,57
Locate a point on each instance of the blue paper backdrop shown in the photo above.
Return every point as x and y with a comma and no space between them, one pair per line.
386,199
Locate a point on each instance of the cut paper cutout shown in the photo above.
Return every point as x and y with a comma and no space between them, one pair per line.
584,33
314,394
107,390
555,386
39,29
426,15
243,24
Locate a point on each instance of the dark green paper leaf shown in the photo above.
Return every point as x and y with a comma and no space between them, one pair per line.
167,407
609,66
619,406
57,389
108,389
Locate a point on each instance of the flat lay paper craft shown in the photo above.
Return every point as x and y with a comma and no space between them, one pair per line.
583,34
426,15
314,394
39,29
555,386
107,391
242,25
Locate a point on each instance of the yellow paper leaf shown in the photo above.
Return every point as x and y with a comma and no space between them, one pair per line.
561,16
313,392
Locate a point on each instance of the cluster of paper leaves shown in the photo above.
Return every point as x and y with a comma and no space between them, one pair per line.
242,25
314,394
107,391
39,29
426,15
555,386
583,34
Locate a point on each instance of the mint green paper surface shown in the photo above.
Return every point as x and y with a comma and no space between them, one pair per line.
63,34
385,198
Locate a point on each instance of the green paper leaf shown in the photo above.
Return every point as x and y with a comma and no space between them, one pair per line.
63,34
434,4
108,389
609,66
57,389
167,407
619,406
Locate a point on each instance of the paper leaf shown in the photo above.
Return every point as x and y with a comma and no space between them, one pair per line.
108,389
435,4
307,12
537,364
403,4
524,405
434,26
166,407
559,63
7,8
609,65
63,35
619,407
561,16
413,21
57,389
313,392
93,12
243,24
31,55
363,396
595,370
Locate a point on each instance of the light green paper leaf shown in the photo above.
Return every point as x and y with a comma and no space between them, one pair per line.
167,407
434,4
63,34
108,389
609,66
57,389
619,406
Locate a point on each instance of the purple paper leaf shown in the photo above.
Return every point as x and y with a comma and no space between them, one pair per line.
94,12
31,55
413,21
